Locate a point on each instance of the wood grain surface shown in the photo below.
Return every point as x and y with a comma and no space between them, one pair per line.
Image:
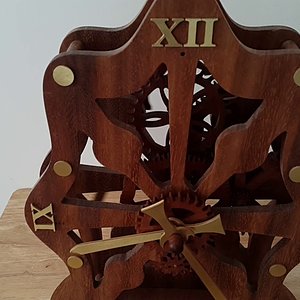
31,271
231,97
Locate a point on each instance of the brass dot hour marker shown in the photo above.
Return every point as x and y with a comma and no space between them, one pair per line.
63,76
277,270
75,262
294,174
62,168
297,77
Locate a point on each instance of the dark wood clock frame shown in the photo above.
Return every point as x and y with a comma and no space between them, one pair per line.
231,96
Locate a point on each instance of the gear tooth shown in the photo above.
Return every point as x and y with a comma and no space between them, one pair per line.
136,101
131,110
196,199
205,208
188,197
176,265
198,203
191,198
178,195
211,239
209,213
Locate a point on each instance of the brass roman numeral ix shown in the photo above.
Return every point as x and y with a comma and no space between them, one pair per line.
167,32
46,213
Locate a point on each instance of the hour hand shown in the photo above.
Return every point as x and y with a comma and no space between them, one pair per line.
156,211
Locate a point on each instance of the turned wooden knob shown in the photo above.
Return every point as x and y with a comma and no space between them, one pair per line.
174,244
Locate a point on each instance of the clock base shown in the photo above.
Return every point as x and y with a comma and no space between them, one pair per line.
182,294
162,294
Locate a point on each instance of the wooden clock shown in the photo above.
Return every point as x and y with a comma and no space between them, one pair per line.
231,113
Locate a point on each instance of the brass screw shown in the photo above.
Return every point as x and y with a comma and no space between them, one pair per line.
62,168
63,76
297,77
75,262
277,270
294,174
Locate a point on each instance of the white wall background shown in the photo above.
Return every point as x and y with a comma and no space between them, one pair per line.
30,34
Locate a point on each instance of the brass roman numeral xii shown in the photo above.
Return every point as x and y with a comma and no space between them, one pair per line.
47,213
167,32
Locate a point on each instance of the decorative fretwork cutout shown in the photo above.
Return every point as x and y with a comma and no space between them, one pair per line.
136,111
276,240
263,186
75,236
213,110
157,117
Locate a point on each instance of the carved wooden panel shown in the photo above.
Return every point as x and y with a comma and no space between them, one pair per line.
230,105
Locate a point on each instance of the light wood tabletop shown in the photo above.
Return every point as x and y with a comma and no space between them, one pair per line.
29,270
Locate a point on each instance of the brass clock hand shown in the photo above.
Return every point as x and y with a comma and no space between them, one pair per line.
117,242
157,212
213,225
202,274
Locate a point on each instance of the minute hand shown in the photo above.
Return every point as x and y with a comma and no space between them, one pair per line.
117,242
213,226
157,212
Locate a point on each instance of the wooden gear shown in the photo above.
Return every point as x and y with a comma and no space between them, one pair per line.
231,107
